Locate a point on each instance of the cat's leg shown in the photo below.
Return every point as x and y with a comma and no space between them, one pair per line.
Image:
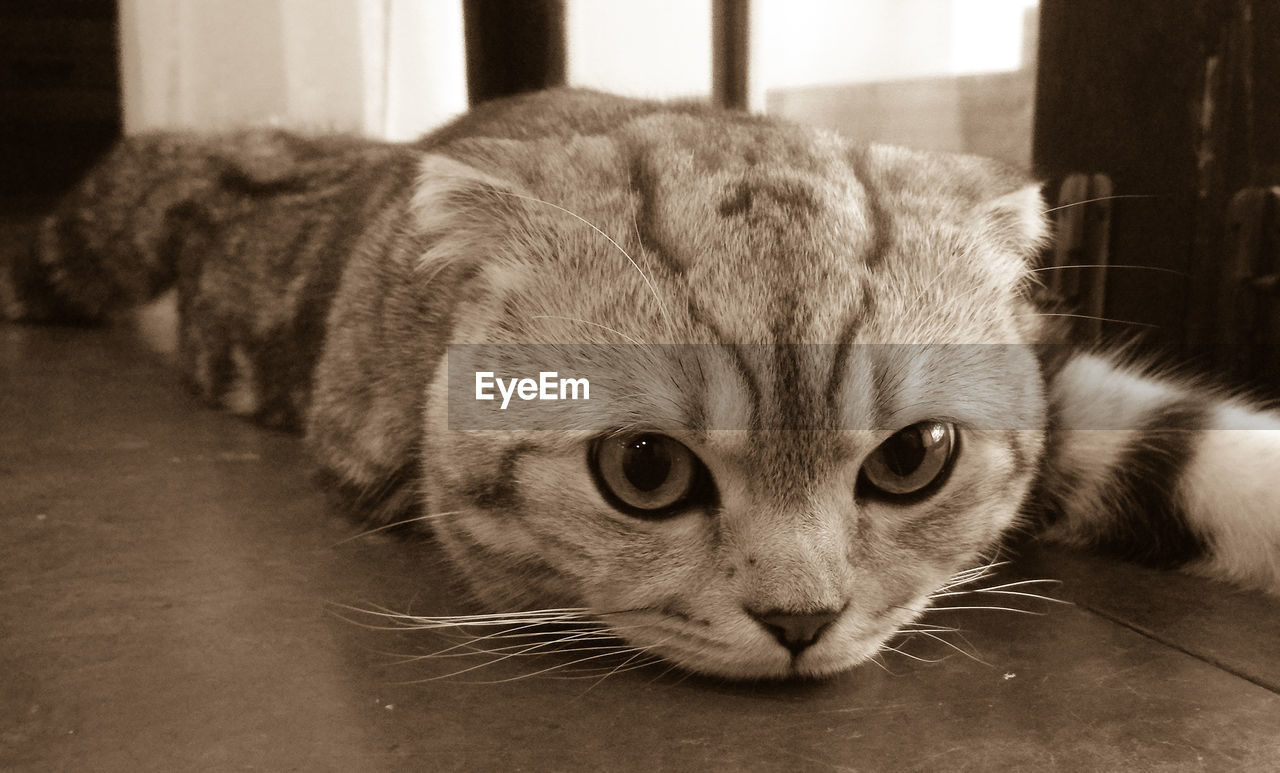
1164,473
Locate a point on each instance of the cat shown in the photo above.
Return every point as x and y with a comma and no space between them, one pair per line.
819,391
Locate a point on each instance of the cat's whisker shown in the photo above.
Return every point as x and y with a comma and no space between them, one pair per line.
638,650
395,524
922,628
635,657
551,614
615,331
520,635
523,650
620,668
671,666
439,629
1087,316
1109,266
502,625
974,574
366,626
1036,596
653,288
550,670
1082,202
961,584
953,646
411,623
475,645
889,648
540,672
537,629
619,650
875,660
649,662
995,563
986,608
1002,588
545,642
507,621
635,227
485,620
466,651
934,282
509,625
971,575
476,667
956,588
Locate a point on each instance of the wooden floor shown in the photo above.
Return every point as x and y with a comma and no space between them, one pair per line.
172,594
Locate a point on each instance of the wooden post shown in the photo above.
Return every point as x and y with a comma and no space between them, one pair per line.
730,53
513,46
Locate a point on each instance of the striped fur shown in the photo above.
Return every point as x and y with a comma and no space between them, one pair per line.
1165,473
830,295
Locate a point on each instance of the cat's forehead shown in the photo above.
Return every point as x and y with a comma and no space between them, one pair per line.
731,178
774,195
729,145
815,238
737,159
816,234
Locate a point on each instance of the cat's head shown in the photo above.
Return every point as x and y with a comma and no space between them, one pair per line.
844,427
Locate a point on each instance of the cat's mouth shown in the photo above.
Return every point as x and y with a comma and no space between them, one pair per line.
772,647
778,664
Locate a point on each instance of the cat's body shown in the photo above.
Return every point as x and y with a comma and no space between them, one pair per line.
863,416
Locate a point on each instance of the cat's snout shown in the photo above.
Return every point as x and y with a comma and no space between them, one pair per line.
796,632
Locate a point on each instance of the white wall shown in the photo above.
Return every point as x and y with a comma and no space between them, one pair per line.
395,68
654,48
388,68
822,42
662,48
425,66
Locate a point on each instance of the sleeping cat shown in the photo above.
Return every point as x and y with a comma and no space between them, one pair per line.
853,414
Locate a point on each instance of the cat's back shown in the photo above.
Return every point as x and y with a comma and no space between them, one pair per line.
563,112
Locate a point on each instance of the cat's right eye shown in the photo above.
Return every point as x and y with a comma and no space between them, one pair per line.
648,474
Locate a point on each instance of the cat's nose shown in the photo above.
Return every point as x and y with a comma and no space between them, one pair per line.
796,632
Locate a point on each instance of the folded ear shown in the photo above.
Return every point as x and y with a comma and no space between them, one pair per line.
389,326
464,215
450,194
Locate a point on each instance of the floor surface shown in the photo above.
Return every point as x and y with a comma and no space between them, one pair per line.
172,591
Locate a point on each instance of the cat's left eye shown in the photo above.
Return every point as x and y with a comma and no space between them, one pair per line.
912,463
647,474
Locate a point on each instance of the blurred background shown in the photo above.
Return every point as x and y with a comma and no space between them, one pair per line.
944,74
1155,124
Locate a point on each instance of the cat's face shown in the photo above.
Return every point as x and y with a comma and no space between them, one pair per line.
844,429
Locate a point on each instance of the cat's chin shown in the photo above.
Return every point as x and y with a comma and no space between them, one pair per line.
780,672
815,665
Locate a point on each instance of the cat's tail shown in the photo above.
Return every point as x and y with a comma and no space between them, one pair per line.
1163,472
112,242
118,239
